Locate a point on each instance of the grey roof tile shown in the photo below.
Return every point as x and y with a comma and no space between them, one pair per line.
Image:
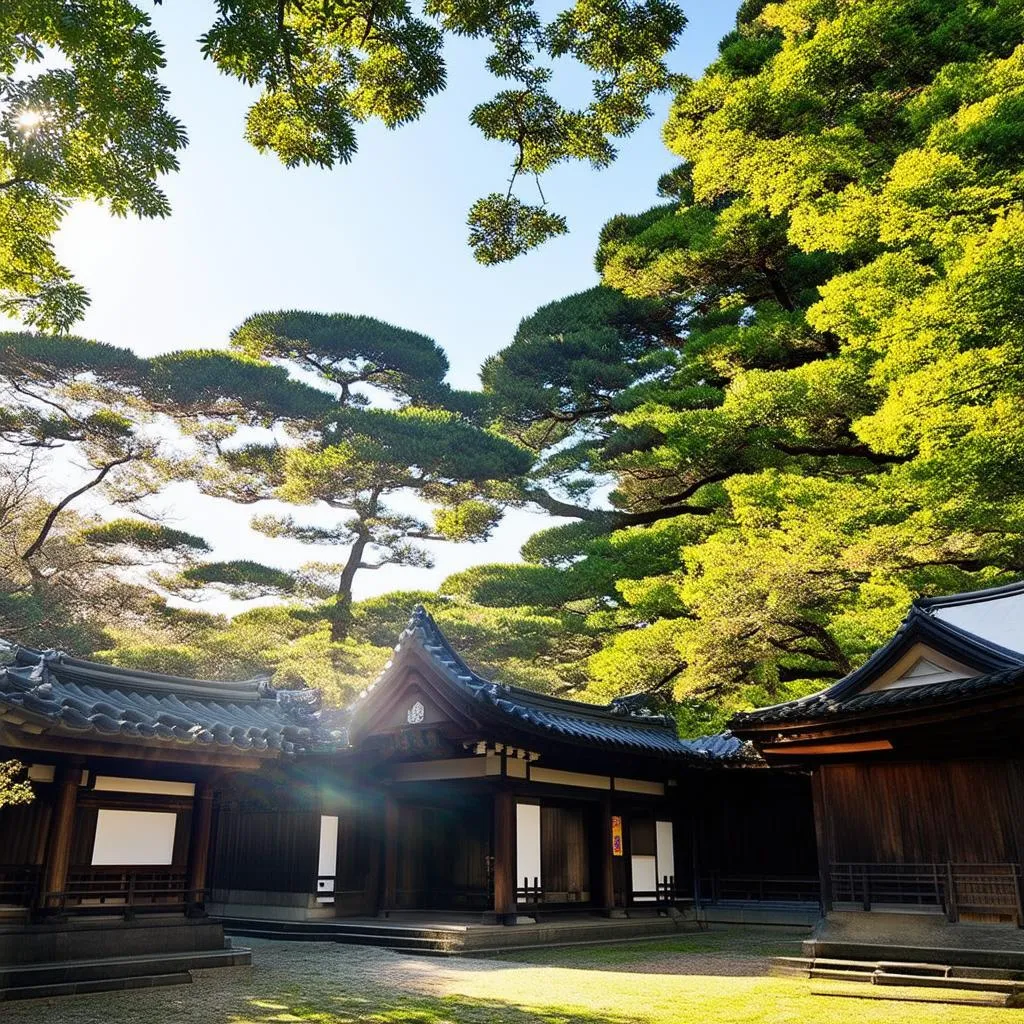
78,696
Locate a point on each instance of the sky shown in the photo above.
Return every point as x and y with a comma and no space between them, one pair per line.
384,236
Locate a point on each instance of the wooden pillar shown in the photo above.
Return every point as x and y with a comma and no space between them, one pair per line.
606,877
370,821
58,846
821,832
505,857
199,846
391,826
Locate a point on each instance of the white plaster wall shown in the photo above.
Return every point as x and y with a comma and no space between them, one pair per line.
666,850
134,837
528,843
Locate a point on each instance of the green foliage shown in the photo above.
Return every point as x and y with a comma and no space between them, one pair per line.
827,392
90,124
143,535
12,789
241,578
503,227
83,115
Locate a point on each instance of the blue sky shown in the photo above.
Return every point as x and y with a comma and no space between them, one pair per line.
384,236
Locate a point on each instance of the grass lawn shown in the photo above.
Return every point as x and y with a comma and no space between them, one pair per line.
323,983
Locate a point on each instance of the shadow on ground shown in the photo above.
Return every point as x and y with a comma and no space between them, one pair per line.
350,1009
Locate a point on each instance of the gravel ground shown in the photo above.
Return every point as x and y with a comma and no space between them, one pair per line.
688,979
289,974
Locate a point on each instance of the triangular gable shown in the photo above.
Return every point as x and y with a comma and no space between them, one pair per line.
411,694
921,665
923,636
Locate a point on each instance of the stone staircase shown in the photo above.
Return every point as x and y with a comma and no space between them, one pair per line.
104,974
935,979
433,938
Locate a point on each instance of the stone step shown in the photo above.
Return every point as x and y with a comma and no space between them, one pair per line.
936,970
1001,959
967,984
950,997
73,988
246,926
405,943
113,971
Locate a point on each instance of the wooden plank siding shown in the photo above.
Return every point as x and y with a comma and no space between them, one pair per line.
969,812
268,851
756,823
564,854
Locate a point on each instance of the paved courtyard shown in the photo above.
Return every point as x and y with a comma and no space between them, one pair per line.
718,976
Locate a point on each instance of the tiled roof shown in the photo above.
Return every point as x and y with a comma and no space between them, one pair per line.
820,705
60,693
623,725
725,747
998,666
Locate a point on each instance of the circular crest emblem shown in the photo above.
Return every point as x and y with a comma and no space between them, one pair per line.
415,714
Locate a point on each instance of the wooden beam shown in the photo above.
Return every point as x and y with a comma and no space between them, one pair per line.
606,893
62,824
199,841
505,857
798,749
166,752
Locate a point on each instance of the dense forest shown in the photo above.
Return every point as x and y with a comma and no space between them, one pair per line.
792,404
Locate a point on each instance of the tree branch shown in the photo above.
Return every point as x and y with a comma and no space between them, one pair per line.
66,500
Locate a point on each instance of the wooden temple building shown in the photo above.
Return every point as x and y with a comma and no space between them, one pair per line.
165,806
916,764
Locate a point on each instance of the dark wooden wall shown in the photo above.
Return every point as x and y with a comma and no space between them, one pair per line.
923,812
754,822
23,831
564,853
442,856
268,851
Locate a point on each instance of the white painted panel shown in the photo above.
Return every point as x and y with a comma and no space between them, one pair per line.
645,877
528,843
158,787
134,837
666,851
328,863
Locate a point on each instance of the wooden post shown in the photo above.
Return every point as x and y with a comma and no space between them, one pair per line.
821,833
391,825
370,819
607,862
58,847
199,848
505,857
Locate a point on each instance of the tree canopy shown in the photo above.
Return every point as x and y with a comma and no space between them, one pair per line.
805,363
83,113
792,404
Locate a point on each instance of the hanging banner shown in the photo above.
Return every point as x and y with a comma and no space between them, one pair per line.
616,836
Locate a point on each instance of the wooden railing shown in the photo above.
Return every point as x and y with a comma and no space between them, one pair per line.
949,888
18,885
527,893
127,891
665,893
452,898
714,887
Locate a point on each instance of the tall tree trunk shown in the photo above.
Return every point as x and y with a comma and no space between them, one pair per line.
341,613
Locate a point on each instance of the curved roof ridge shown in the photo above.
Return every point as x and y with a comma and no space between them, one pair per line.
102,674
970,596
422,619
